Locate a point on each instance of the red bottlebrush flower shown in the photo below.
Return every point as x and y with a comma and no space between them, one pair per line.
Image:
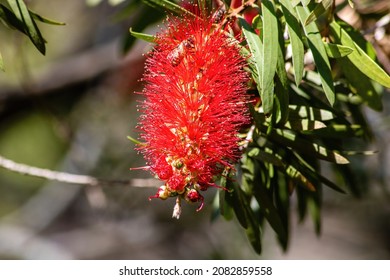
194,105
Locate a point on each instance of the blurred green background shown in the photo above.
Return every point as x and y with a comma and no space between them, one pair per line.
72,111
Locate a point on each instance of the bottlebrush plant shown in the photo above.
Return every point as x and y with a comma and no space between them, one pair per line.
249,97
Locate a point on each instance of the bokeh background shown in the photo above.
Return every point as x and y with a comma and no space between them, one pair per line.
72,111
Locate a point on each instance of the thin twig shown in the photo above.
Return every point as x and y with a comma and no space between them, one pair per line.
65,177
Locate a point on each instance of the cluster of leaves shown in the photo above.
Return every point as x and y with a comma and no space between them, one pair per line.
16,15
307,114
313,74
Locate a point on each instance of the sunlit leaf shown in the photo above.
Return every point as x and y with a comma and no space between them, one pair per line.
361,85
304,125
45,19
270,54
295,2
336,51
281,83
305,112
142,36
147,16
317,48
294,32
292,139
256,49
10,19
22,13
319,10
358,57
337,131
311,172
135,141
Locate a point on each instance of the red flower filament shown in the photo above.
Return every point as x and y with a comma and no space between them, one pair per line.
195,104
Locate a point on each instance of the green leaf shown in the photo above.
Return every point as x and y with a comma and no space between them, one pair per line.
22,13
360,84
311,172
320,9
235,197
142,36
294,32
168,6
269,57
256,49
45,19
306,112
336,51
267,208
291,139
304,125
337,131
314,205
254,236
224,208
135,141
10,19
321,60
358,57
147,16
295,2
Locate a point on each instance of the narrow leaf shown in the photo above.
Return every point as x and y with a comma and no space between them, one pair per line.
337,131
256,49
45,19
268,209
281,84
336,51
291,139
135,141
235,197
321,60
142,36
22,13
10,19
270,54
358,57
224,208
320,9
294,32
306,112
304,125
254,236
360,85
311,172
169,6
